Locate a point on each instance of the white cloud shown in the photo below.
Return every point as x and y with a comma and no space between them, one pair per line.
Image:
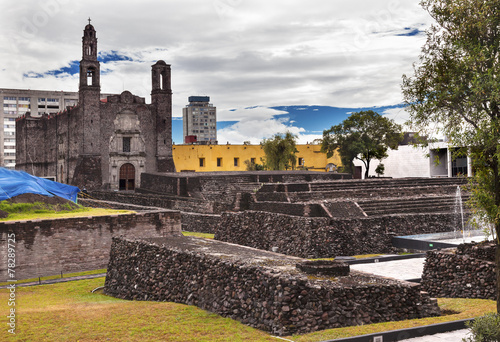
251,113
399,115
240,53
255,130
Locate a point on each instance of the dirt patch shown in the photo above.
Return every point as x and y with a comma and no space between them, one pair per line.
51,203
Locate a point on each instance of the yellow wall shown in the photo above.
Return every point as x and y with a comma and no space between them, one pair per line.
187,157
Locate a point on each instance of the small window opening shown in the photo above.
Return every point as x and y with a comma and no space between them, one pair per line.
126,144
89,77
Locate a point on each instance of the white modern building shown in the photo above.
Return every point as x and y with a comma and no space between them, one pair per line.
435,160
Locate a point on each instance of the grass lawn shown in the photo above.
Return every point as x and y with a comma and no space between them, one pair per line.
202,235
70,312
27,214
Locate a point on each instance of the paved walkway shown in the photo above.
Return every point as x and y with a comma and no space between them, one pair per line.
57,280
399,269
452,336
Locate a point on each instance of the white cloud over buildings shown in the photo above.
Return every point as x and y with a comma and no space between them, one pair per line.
241,53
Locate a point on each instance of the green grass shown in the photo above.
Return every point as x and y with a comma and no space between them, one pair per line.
201,235
70,312
457,308
354,256
37,210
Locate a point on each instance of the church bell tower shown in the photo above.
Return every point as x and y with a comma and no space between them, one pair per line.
88,170
90,91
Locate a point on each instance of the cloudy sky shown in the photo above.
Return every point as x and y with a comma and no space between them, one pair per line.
267,65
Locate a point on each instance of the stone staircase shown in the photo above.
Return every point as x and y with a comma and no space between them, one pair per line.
360,189
429,204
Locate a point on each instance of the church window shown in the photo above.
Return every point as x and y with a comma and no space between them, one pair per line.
126,144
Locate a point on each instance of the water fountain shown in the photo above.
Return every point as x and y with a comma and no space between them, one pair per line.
459,214
463,231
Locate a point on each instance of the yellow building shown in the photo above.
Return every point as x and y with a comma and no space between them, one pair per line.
208,158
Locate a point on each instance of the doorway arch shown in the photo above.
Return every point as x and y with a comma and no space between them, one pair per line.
127,177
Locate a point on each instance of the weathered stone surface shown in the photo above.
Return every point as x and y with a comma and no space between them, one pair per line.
318,237
261,289
455,274
49,247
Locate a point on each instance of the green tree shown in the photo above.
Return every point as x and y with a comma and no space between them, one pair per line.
280,152
253,166
380,169
364,135
456,89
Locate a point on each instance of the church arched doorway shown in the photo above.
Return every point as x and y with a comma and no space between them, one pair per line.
127,177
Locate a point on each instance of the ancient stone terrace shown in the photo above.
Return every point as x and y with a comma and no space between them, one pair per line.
408,205
359,189
261,289
203,197
350,217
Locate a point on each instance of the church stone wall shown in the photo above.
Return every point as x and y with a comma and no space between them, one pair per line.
83,145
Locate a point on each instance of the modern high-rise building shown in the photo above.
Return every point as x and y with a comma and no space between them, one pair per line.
17,102
199,119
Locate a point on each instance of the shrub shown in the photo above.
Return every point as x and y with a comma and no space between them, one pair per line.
484,329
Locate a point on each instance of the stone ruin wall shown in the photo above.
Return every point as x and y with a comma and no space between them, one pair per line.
466,272
49,247
259,297
321,237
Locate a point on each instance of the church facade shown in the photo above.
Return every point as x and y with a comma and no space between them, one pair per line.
101,144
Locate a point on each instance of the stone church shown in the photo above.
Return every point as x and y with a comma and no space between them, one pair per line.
101,144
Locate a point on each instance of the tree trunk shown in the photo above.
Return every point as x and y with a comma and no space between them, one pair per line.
496,178
367,164
497,263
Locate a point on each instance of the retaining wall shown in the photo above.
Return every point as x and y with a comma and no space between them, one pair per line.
453,275
317,237
49,247
258,288
156,200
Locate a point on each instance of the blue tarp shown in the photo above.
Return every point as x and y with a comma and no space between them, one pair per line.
13,183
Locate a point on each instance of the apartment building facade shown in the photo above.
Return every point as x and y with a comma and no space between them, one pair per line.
199,121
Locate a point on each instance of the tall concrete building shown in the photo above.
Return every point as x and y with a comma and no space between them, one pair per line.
17,102
199,120
100,143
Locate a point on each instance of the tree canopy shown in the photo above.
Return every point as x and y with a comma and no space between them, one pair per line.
455,90
280,152
364,135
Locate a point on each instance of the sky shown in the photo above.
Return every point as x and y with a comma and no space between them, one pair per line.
268,66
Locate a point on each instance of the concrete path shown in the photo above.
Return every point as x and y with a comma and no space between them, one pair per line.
452,336
57,280
399,269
